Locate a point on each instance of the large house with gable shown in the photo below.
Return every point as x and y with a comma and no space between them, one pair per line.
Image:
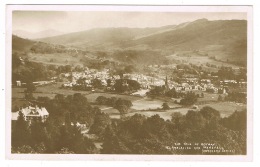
32,113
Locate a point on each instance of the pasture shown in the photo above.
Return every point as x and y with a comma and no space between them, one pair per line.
225,109
55,59
93,96
201,60
148,103
46,91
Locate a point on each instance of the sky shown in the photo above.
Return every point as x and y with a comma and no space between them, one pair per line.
73,21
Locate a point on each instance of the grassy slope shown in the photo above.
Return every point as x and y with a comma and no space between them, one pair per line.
229,36
101,35
225,39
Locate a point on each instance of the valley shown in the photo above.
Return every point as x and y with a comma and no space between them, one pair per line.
168,83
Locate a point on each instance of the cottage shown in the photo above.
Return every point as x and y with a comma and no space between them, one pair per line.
18,83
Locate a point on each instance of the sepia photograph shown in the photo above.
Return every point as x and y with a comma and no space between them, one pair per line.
129,80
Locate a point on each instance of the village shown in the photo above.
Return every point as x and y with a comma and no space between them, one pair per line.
103,81
187,83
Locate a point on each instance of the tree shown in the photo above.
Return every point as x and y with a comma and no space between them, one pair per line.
165,106
29,96
16,62
211,116
236,121
123,106
65,151
119,87
24,149
96,83
123,85
101,121
123,109
156,127
112,144
38,133
189,99
20,131
30,87
194,120
156,91
134,126
171,93
177,119
101,100
120,102
109,82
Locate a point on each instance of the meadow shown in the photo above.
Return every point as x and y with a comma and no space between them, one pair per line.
55,59
225,109
201,60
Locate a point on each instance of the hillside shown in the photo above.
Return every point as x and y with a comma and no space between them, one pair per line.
20,44
104,36
224,39
227,37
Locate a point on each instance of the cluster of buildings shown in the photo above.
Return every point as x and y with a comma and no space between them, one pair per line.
87,76
37,83
187,83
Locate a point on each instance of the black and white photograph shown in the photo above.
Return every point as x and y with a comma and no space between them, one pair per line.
124,81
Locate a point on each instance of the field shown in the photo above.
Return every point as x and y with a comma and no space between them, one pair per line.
93,96
54,89
201,60
225,109
147,103
139,103
208,97
46,91
55,59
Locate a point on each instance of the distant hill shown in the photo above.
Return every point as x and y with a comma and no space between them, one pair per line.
99,36
21,44
225,39
41,34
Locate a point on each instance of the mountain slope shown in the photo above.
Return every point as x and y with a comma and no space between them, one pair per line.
20,44
225,39
103,35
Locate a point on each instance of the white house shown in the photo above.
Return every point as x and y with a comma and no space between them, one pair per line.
18,83
32,114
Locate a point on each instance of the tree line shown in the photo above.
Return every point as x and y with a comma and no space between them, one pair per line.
135,134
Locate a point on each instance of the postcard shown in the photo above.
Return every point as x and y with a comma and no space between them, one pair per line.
108,82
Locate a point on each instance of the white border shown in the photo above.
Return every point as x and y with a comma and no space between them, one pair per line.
186,158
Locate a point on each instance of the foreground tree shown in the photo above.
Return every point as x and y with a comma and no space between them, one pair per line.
112,144
20,132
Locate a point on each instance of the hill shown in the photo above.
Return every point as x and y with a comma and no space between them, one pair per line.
35,35
100,36
21,44
223,39
215,37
